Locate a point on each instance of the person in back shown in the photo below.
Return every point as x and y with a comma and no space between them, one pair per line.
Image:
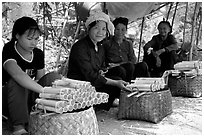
160,51
120,53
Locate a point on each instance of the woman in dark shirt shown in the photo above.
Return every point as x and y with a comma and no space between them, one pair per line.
120,53
87,58
160,51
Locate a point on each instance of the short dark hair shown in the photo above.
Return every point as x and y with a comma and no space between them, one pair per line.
165,22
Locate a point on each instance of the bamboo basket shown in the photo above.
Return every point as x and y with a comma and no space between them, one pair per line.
76,123
151,107
185,86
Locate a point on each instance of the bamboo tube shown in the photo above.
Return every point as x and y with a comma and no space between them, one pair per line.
99,101
95,101
65,109
72,102
75,106
148,80
49,108
88,103
71,83
75,81
53,103
56,90
79,105
53,96
83,105
70,108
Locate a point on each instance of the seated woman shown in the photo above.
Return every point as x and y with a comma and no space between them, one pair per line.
87,58
23,65
120,53
160,51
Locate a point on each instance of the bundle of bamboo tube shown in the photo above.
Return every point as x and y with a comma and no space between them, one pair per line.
187,65
67,95
147,84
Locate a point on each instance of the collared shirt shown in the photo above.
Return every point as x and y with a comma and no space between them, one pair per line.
157,43
85,62
119,53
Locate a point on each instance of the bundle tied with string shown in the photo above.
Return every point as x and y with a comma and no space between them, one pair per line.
148,99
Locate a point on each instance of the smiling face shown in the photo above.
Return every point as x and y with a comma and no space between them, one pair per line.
28,41
120,31
164,29
98,32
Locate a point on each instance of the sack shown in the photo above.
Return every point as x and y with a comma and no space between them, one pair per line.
76,123
152,107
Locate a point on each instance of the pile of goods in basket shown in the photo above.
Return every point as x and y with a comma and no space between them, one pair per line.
140,86
66,95
186,79
148,99
189,68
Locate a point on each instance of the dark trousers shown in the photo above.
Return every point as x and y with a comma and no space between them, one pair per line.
17,101
112,91
168,59
124,71
141,70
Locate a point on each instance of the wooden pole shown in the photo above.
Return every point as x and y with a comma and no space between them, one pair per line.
174,14
199,25
193,32
44,28
140,44
184,30
169,11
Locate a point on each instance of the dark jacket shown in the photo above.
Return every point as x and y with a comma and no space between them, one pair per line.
85,62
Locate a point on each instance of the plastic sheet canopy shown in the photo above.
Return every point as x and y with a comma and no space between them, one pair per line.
131,10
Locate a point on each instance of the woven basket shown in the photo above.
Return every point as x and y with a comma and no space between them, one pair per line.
185,86
151,107
76,123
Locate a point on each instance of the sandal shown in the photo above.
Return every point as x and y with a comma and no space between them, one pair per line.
20,132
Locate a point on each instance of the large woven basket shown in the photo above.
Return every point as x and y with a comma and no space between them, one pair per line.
152,107
76,123
185,86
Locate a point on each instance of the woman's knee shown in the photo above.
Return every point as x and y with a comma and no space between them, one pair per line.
49,78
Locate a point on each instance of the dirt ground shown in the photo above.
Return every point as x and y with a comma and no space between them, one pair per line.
186,119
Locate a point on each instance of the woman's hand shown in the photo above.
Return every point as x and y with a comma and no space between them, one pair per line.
149,50
121,84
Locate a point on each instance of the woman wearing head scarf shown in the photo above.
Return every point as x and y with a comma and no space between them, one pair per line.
160,51
87,58
120,53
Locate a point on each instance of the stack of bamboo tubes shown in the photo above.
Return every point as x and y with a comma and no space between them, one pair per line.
187,65
67,95
147,84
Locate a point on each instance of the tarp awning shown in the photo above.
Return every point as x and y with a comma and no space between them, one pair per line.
131,10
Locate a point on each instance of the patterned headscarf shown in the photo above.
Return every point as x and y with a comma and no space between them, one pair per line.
96,15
